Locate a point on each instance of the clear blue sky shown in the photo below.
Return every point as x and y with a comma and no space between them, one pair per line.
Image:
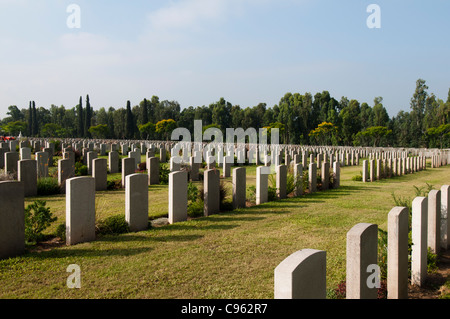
196,51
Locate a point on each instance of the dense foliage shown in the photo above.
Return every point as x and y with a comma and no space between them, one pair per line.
302,119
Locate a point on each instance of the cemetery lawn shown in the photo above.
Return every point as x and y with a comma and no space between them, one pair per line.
228,255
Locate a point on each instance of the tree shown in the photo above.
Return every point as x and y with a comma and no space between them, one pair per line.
147,130
80,129
376,134
439,134
418,102
99,131
350,119
87,117
30,120
52,130
35,120
129,122
15,113
145,112
323,134
14,128
165,127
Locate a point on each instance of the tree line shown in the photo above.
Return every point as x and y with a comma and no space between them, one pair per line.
301,118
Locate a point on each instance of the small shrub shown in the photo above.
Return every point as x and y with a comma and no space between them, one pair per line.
272,194
61,231
113,185
113,225
164,172
382,252
195,209
80,169
357,178
48,186
432,260
251,193
37,218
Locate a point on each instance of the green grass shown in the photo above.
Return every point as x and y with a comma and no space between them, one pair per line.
228,255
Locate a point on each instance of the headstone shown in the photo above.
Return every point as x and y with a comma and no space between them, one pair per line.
27,174
312,176
302,275
362,245
11,160
372,170
397,254
337,175
128,167
239,187
175,165
42,164
64,173
281,181
25,153
49,152
100,173
227,161
12,219
419,240
262,185
325,172
211,192
136,202
162,155
124,149
434,220
80,210
136,154
113,162
365,171
178,196
153,170
90,157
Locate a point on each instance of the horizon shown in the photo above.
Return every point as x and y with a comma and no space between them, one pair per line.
197,51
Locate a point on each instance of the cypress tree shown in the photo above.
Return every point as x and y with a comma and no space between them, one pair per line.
145,112
80,119
30,120
88,115
35,120
129,132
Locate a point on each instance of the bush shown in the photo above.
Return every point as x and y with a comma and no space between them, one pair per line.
114,185
357,178
272,194
195,209
432,260
164,172
251,193
80,169
61,231
113,225
48,186
37,218
193,193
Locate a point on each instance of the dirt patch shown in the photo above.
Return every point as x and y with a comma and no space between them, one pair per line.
48,245
434,284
